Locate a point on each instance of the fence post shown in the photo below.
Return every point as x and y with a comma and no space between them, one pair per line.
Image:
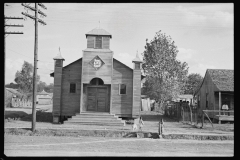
190,114
160,128
202,119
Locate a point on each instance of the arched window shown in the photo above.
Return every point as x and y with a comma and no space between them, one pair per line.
96,81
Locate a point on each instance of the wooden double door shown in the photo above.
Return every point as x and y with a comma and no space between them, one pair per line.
97,99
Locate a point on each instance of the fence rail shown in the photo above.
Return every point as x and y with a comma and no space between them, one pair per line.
22,103
193,115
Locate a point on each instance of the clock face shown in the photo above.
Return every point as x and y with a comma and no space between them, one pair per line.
96,63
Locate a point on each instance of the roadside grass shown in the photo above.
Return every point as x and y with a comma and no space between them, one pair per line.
151,117
41,116
77,133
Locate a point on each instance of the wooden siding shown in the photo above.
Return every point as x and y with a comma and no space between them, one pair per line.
136,92
71,101
213,95
90,41
121,104
105,72
106,42
57,90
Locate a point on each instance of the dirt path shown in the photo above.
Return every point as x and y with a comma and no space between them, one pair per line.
89,146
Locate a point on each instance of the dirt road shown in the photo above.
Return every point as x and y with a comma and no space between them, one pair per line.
98,146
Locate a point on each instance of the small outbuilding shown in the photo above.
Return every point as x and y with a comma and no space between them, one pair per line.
44,98
216,90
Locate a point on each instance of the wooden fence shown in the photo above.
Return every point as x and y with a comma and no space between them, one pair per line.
192,114
22,103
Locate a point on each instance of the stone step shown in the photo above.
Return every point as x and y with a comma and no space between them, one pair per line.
95,123
95,118
94,113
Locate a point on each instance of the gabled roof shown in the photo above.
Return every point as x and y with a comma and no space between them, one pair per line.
52,74
222,78
15,92
99,31
43,93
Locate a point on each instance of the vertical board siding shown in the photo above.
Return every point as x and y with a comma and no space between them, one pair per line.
90,41
121,104
71,101
105,72
57,90
136,92
106,42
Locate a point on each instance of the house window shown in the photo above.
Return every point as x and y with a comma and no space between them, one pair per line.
72,87
122,89
98,42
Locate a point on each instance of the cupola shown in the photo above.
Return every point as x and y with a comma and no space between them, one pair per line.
98,38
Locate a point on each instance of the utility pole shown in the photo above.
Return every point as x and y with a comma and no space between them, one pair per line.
35,55
7,25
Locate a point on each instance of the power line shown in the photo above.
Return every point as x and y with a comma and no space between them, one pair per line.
37,11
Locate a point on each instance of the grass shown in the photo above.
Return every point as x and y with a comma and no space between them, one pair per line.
41,116
77,133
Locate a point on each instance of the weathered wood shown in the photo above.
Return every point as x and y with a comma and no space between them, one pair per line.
71,101
136,92
105,72
121,104
208,119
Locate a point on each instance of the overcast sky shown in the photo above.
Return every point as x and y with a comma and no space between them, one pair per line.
203,33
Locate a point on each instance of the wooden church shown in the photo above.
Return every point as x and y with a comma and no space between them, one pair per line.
97,83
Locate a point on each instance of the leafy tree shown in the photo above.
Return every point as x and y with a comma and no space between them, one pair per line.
41,86
24,78
49,88
165,75
192,83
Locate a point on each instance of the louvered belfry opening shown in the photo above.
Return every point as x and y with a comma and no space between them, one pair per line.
98,43
98,39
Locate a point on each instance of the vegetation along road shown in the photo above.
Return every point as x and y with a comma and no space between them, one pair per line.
100,146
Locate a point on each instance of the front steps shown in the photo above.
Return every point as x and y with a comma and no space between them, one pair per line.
95,118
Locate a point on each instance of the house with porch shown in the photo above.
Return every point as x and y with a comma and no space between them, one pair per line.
216,89
96,84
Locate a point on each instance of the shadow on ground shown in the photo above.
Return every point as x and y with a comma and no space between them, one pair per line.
157,118
40,116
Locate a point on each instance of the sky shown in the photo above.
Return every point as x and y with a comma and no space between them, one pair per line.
202,32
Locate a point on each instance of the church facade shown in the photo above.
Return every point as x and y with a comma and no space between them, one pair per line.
97,82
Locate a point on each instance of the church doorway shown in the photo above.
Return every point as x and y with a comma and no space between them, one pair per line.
97,96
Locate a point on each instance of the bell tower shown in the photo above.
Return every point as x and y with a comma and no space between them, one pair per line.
97,60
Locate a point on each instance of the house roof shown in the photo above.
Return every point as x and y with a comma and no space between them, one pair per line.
15,92
185,96
98,31
222,78
43,93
